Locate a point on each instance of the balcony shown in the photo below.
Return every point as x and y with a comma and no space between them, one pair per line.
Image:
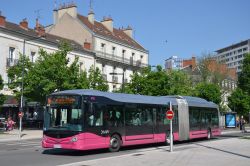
11,62
112,57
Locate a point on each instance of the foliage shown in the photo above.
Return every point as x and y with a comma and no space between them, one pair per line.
239,101
244,77
96,80
2,97
159,82
208,91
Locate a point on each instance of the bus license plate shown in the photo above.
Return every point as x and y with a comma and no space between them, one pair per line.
57,146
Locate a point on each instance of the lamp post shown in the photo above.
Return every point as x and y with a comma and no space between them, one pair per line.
114,73
22,84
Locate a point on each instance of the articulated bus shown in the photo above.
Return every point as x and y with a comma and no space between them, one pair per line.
90,119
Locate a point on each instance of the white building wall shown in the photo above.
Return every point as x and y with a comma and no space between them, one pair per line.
7,41
234,57
108,50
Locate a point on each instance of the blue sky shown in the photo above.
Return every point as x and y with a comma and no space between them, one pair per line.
164,27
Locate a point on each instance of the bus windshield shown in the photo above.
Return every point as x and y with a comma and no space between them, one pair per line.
64,113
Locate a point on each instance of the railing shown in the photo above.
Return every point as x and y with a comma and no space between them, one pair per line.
11,62
113,57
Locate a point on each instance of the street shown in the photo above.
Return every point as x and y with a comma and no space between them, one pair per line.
30,153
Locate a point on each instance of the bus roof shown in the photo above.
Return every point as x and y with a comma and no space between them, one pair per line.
143,99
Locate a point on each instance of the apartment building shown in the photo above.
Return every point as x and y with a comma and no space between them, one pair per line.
233,55
116,51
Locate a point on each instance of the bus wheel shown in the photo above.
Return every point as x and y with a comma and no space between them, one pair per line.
115,143
209,134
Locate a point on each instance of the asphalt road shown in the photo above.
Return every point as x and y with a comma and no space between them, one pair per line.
30,152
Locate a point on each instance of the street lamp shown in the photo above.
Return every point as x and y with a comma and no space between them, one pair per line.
22,86
122,78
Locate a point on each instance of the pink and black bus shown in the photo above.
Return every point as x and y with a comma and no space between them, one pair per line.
90,119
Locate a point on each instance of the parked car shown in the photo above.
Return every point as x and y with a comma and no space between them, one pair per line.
3,124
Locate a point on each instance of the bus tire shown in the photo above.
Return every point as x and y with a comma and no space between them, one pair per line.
115,143
209,134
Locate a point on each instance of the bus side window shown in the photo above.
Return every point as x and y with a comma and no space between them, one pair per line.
94,115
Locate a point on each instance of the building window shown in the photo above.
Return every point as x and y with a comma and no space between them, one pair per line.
32,56
103,47
123,53
113,50
11,53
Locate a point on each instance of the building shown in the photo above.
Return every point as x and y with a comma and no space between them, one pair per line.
16,39
233,55
173,63
115,49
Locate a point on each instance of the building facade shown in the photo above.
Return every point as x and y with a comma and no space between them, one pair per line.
115,49
173,63
233,55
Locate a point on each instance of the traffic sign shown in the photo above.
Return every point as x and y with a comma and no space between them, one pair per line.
170,114
20,114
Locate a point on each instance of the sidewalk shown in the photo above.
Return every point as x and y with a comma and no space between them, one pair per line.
25,134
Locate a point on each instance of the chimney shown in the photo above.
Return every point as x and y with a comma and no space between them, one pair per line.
128,31
91,17
70,9
108,23
2,20
24,24
193,62
39,29
87,45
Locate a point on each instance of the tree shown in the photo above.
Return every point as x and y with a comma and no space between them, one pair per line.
51,72
244,76
159,82
2,97
96,80
239,101
179,83
208,91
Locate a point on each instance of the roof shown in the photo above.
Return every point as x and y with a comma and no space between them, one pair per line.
132,98
31,33
233,46
117,34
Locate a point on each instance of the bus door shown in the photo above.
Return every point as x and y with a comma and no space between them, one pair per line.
94,125
183,119
138,122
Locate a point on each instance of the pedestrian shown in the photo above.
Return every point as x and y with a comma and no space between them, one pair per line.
10,124
242,124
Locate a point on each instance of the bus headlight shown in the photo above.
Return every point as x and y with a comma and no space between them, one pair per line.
74,139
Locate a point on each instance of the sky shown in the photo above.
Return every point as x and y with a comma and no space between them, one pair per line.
166,28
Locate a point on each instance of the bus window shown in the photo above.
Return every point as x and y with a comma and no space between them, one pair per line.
114,115
94,115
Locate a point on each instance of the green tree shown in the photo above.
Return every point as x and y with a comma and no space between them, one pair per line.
96,80
179,83
239,102
2,97
244,76
159,82
51,71
208,91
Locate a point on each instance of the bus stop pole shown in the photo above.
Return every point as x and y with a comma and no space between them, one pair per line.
171,132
